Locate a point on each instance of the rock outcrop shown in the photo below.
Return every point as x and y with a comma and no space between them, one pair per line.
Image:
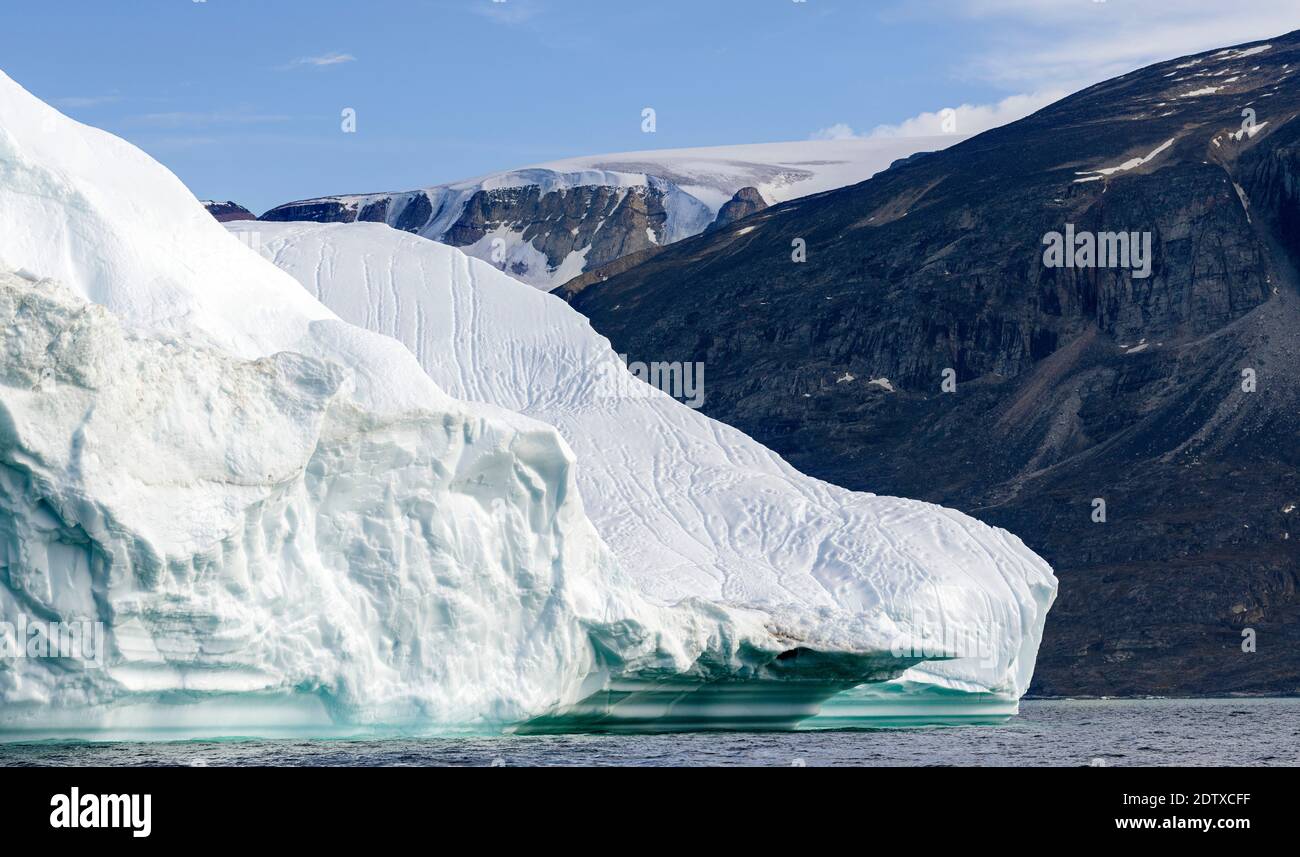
227,211
747,201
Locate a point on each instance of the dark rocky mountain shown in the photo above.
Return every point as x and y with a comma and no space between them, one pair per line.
227,211
329,210
747,201
1174,397
610,221
901,162
604,272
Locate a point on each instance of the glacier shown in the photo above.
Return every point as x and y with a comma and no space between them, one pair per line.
691,507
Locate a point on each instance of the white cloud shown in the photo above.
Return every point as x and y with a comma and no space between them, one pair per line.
969,119
838,131
966,119
323,60
1070,45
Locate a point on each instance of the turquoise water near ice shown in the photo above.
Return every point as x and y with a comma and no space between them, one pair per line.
1247,732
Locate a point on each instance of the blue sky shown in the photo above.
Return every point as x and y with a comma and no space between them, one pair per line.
242,98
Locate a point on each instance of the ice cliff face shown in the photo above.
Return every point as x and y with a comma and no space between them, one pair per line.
689,506
244,527
276,519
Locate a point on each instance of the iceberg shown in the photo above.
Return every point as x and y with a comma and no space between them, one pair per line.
277,523
692,508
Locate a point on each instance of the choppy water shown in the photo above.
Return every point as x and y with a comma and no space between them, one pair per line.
1049,732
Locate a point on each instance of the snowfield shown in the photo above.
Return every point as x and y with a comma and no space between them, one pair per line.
689,506
780,171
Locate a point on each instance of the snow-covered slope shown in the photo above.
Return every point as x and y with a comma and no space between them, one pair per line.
548,223
689,506
779,171
276,519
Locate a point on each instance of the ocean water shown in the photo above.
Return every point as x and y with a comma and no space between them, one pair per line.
1246,732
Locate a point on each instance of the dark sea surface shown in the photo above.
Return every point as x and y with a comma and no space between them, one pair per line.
1248,732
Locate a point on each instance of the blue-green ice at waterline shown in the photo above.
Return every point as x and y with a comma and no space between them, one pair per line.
624,708
1082,733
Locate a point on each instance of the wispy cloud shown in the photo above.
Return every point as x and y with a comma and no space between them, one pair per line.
838,131
971,118
964,119
322,61
1070,45
201,119
1046,49
75,102
508,12
180,143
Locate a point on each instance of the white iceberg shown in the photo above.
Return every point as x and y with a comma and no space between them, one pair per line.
281,525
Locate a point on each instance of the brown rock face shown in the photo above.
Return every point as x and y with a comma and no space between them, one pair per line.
1029,395
614,221
747,201
333,210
